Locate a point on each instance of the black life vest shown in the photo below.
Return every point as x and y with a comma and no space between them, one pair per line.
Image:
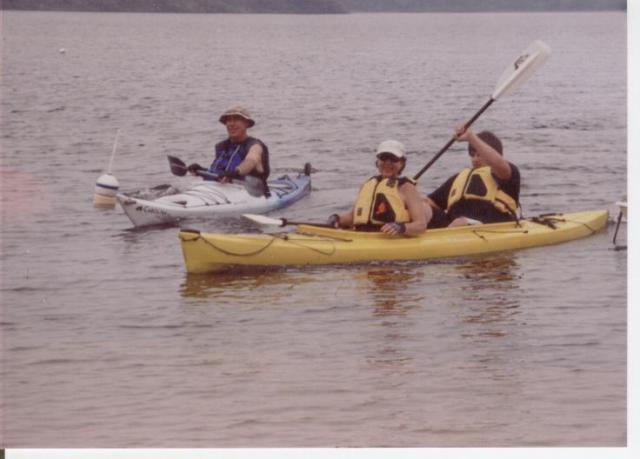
229,155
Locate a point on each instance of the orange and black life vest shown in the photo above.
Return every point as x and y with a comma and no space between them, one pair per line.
379,202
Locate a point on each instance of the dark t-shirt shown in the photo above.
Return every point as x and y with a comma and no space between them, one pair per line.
478,209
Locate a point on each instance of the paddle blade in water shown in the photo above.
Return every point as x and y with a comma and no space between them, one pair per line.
522,68
263,220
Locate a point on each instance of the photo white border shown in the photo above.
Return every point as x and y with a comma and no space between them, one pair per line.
633,376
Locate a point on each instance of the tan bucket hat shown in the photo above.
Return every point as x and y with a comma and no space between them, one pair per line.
239,111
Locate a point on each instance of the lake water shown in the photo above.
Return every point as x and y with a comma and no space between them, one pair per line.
107,342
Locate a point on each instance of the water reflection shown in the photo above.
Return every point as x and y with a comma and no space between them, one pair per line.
219,224
501,270
217,284
23,196
134,235
490,292
388,288
391,289
489,302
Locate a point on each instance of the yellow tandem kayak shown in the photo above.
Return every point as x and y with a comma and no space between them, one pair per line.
312,245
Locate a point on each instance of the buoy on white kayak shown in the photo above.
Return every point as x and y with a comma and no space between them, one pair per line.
107,185
106,190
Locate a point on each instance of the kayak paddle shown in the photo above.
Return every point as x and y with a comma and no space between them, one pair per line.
268,221
513,76
179,168
253,185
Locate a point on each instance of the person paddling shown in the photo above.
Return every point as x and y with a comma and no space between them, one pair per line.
239,155
387,202
486,192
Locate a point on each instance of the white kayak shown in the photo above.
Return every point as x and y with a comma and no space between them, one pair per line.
211,199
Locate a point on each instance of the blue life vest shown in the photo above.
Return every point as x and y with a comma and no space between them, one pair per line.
229,155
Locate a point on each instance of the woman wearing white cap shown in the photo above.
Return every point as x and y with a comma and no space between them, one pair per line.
239,155
387,202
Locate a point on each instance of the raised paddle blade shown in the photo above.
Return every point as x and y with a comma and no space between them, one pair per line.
263,220
514,75
178,167
521,69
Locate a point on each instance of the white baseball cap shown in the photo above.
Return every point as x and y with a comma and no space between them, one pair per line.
393,147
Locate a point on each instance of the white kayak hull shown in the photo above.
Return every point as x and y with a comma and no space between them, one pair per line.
212,199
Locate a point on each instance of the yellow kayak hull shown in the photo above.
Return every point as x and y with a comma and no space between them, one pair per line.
311,245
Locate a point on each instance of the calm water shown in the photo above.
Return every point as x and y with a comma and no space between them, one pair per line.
106,340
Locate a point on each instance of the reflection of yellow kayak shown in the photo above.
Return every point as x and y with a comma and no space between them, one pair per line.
310,245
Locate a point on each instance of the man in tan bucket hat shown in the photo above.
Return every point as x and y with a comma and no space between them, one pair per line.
239,155
237,110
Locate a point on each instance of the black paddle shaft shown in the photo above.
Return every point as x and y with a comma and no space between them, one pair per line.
286,222
453,139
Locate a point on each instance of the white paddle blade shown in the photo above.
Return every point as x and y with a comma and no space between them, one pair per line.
522,68
263,220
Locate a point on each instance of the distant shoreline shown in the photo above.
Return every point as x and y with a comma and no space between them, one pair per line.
52,10
179,6
313,6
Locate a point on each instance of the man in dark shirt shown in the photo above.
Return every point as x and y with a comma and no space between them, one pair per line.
487,192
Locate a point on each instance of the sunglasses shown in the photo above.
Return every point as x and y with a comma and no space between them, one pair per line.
472,152
388,157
